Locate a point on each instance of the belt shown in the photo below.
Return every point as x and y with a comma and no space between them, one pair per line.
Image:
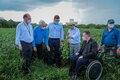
26,42
54,38
74,44
110,46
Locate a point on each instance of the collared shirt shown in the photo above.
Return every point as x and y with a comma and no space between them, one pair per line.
40,35
75,34
56,31
111,38
24,32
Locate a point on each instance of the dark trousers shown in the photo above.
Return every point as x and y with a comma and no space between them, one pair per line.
54,54
111,51
26,54
76,63
39,50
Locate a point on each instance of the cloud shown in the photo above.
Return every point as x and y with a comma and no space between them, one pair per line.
84,11
64,9
99,11
25,5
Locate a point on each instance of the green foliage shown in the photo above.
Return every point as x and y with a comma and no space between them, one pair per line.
10,23
10,60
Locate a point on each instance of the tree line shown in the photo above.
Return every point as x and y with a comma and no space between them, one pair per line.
12,24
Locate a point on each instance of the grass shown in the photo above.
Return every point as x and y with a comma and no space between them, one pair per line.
10,61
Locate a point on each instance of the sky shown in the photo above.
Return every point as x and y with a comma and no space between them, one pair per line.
82,11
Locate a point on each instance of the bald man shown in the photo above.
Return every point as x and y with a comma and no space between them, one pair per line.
24,39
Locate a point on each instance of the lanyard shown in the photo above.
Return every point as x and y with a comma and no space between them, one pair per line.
55,27
27,28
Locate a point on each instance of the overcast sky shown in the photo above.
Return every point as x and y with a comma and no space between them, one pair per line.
83,11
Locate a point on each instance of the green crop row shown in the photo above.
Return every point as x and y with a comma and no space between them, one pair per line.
10,61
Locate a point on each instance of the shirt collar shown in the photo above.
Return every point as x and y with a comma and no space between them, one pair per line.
26,23
40,28
111,29
73,28
89,40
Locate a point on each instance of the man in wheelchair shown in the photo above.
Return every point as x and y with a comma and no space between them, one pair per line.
87,53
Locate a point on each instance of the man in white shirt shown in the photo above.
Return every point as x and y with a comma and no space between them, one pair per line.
24,39
73,40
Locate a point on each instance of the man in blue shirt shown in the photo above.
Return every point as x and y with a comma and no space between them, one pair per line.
111,39
56,35
24,39
40,36
73,39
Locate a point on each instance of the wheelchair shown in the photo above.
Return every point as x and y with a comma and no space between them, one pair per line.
94,69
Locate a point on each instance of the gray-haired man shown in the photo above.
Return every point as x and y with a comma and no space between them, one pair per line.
40,34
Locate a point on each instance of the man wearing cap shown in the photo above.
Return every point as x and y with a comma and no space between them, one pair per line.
24,39
40,36
56,36
111,39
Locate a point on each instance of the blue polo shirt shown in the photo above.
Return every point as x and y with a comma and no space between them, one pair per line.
111,38
40,35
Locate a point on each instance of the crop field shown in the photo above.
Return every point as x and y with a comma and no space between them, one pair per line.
10,61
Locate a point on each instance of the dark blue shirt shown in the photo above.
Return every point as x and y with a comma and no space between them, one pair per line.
111,38
40,35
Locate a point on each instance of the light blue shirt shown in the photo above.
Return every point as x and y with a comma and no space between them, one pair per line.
24,32
56,31
40,35
75,34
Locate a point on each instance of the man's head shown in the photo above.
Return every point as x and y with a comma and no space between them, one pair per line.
72,26
56,19
42,24
86,35
110,23
27,18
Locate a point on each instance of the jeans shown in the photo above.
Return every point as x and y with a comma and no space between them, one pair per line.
76,63
74,48
110,51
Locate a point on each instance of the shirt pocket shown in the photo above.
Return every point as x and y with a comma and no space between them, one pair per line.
58,28
25,31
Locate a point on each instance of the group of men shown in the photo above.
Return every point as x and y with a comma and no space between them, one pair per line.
29,40
52,35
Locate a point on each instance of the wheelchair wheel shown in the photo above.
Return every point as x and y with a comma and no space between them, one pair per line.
94,70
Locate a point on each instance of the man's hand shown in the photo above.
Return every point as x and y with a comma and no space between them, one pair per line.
70,37
99,47
76,53
81,57
20,48
35,49
118,51
48,48
61,43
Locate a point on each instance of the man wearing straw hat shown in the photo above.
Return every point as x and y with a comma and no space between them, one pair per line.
73,39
